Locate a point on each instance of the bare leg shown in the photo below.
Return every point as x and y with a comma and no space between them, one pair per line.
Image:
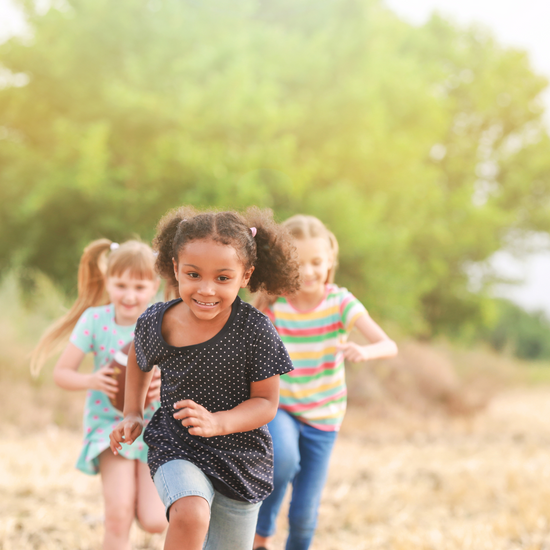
189,520
150,509
260,542
118,478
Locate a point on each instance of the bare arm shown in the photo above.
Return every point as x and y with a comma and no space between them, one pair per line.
381,345
249,415
66,373
137,383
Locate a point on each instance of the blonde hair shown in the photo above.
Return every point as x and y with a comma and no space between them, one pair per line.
302,226
97,263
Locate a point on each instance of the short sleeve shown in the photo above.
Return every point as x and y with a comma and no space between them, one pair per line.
269,356
142,343
270,313
83,333
350,309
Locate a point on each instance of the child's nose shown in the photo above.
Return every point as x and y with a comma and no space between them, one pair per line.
206,287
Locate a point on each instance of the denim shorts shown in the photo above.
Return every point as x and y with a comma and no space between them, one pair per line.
232,522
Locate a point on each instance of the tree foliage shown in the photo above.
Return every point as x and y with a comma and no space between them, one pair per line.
525,334
422,148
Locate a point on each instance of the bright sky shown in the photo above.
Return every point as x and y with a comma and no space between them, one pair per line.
523,24
10,22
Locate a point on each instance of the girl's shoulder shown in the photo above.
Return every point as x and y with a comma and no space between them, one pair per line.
249,310
98,313
340,299
256,330
333,293
337,292
155,309
350,307
254,318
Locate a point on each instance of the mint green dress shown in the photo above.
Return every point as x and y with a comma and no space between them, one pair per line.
96,332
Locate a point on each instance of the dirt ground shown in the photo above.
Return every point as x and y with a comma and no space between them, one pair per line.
404,483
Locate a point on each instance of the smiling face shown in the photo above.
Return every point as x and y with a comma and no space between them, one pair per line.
209,276
316,258
130,296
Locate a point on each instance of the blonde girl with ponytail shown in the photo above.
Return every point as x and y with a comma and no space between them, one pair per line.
116,283
314,324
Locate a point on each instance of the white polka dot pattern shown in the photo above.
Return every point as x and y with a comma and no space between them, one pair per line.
217,375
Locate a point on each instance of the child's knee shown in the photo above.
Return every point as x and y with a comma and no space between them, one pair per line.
302,528
190,513
118,520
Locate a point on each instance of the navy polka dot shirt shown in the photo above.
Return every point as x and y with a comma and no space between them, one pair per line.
217,375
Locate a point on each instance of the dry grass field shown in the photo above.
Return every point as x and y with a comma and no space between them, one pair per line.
443,448
405,482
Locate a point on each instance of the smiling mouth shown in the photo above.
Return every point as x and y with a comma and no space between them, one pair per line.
206,304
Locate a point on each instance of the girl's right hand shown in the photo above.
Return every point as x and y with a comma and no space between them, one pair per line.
126,432
103,380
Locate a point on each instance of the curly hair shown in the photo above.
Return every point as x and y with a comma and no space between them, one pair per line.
270,251
302,226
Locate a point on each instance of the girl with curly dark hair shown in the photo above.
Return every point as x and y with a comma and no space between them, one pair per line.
210,452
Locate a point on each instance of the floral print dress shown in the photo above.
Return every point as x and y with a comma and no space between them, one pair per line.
96,332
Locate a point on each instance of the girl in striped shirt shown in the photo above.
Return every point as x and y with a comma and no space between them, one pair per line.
313,324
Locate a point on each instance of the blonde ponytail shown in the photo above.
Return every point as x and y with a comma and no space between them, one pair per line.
91,292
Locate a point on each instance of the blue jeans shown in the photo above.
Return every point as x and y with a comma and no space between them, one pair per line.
302,455
231,521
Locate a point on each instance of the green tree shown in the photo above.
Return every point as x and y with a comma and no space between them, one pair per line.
422,148
522,333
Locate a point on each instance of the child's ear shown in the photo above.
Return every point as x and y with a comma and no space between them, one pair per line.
175,268
246,277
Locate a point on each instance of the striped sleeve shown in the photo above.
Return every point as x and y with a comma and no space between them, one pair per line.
350,309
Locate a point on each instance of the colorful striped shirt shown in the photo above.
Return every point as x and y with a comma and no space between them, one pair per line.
315,391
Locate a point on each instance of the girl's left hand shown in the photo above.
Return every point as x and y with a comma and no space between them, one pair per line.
354,352
197,419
